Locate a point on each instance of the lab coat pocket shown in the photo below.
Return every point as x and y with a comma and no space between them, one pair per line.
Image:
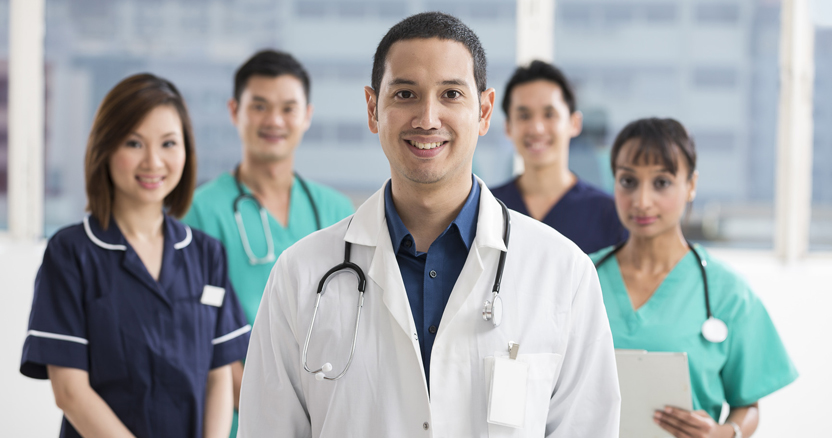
543,372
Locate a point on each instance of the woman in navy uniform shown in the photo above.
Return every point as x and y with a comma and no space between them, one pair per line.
134,320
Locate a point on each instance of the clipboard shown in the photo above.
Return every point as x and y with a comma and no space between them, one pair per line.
649,382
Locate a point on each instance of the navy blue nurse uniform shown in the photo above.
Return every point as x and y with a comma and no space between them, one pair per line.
148,346
585,215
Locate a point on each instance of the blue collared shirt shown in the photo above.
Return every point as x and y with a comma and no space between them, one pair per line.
429,277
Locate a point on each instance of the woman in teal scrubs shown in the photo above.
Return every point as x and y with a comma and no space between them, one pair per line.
655,296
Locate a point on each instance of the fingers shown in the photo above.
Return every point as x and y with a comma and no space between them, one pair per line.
694,420
674,430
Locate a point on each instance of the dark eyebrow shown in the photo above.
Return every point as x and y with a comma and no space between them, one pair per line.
400,81
459,82
260,99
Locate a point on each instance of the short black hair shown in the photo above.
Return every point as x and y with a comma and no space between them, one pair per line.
270,63
660,142
431,25
539,70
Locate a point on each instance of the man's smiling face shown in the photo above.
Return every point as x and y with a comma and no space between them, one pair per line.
428,112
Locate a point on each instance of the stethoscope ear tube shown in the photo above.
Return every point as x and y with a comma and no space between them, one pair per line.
713,329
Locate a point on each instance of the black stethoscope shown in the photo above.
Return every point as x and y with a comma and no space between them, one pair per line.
713,329
264,219
492,311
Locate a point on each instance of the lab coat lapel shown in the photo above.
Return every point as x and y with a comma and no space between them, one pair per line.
489,238
369,227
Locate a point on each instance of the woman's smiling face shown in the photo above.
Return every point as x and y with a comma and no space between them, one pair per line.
649,197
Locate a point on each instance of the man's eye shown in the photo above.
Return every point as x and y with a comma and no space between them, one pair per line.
258,107
453,94
404,94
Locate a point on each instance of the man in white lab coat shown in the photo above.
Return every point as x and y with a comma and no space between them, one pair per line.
426,363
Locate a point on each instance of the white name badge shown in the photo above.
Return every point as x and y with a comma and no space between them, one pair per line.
507,392
212,295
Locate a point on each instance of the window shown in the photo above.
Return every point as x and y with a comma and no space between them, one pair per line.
4,113
93,44
711,12
820,230
725,94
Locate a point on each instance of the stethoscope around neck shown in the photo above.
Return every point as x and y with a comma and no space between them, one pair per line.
713,329
492,310
264,219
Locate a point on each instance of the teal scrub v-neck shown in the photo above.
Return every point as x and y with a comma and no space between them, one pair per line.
749,365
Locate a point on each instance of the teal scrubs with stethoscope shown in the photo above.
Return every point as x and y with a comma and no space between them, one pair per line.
253,239
705,309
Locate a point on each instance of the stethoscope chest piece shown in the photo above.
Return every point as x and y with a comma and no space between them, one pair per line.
493,310
714,330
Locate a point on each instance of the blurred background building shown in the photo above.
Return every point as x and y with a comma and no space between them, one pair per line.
712,64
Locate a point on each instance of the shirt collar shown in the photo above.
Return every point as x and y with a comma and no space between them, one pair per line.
465,222
112,239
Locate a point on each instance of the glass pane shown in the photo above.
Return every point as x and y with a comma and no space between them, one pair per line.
4,113
711,65
92,44
339,149
820,231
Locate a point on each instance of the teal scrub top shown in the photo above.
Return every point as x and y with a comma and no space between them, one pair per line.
746,367
212,211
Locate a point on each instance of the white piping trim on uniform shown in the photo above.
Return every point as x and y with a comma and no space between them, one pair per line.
57,336
236,333
98,242
187,241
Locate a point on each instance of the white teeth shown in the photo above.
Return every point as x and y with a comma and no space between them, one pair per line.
426,145
150,180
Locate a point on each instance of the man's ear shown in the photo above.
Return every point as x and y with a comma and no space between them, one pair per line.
486,109
310,109
576,120
232,110
372,109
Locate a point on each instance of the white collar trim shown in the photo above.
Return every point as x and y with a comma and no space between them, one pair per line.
186,241
98,241
179,245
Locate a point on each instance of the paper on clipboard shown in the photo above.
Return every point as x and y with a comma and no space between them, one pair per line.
649,382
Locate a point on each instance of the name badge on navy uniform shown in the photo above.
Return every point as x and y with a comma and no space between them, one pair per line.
212,295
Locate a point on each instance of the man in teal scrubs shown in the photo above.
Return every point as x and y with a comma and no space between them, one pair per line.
271,112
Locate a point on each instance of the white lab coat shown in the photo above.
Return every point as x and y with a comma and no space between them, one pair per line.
552,307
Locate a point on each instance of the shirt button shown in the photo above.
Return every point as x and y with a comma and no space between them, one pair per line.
425,425
408,243
432,329
432,274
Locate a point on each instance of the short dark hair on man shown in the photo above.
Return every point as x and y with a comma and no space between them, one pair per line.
270,63
660,141
539,70
431,25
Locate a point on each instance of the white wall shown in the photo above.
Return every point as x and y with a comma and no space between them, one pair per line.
798,298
